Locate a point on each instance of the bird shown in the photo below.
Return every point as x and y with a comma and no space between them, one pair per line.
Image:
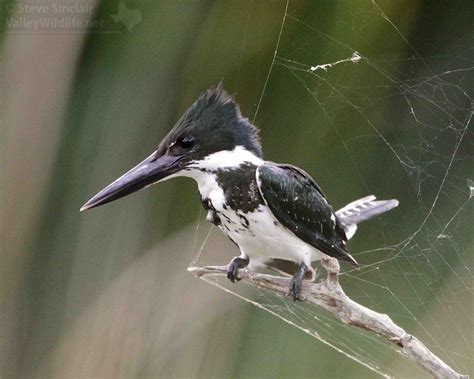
276,214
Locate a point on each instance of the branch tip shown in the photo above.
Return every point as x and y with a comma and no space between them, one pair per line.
329,295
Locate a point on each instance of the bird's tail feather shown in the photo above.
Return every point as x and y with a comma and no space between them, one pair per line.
361,210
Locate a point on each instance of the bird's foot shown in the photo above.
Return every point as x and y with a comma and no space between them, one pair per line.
296,283
234,266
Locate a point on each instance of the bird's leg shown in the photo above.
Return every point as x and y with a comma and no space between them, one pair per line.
296,283
235,265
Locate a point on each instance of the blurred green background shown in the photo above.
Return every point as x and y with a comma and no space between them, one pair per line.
106,293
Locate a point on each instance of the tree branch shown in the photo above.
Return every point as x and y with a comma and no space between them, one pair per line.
329,295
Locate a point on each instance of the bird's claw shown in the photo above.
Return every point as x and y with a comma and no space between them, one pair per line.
295,289
234,266
296,283
232,273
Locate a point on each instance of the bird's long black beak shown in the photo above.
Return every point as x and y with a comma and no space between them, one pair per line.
151,170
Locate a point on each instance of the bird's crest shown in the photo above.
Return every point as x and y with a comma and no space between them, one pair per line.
216,111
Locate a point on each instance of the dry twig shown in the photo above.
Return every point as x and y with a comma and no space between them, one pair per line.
329,295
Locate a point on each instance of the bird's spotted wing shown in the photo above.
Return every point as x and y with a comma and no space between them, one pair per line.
300,205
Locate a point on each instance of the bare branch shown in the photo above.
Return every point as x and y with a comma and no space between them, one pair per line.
329,295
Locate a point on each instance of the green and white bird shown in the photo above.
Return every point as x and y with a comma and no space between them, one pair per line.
275,213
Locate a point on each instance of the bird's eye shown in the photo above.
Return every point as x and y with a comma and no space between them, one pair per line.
186,142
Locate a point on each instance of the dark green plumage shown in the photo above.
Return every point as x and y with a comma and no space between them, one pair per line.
300,205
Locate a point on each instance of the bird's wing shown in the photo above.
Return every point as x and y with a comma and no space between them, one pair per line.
300,205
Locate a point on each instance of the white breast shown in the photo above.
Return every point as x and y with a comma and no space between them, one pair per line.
266,238
258,234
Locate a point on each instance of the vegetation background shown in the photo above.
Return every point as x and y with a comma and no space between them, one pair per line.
106,293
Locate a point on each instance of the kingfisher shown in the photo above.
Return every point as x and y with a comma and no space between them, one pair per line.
276,214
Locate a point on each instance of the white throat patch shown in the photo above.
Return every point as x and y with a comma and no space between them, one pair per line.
227,159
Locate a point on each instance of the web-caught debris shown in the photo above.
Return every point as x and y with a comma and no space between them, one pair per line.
355,58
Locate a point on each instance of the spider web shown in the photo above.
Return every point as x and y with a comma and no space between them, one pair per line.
417,269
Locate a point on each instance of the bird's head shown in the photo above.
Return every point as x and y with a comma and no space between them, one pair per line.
212,126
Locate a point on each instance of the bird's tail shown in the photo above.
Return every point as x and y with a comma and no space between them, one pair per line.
361,210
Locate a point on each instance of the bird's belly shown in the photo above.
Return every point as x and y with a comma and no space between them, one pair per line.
260,236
